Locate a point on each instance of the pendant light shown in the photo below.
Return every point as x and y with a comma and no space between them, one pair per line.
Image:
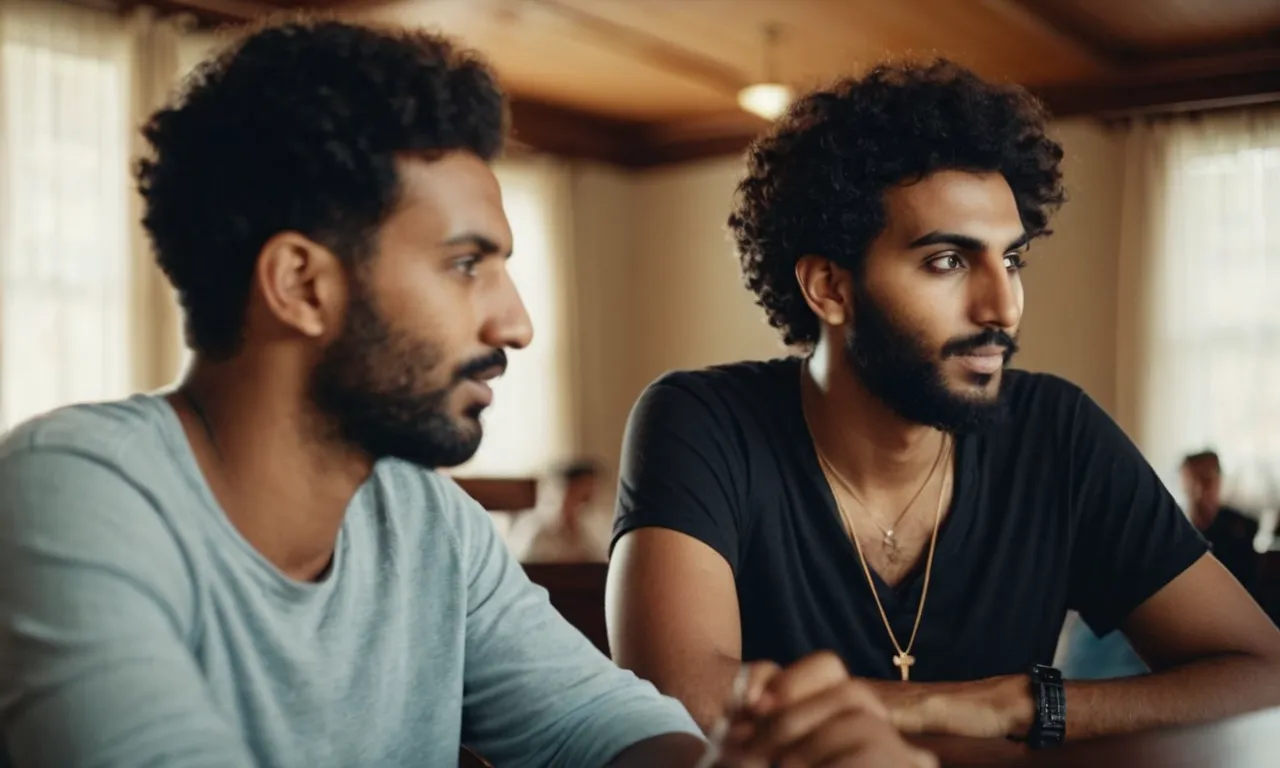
768,99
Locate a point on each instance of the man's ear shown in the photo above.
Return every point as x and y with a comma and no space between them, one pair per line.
827,289
303,284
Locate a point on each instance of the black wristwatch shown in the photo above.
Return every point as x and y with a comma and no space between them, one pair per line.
1050,726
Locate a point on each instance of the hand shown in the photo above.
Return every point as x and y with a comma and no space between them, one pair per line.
813,713
992,708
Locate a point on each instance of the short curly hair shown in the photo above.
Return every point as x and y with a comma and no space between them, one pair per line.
816,180
297,127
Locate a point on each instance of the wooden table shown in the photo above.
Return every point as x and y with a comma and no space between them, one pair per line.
1250,741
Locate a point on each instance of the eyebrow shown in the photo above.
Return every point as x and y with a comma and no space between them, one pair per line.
478,241
963,242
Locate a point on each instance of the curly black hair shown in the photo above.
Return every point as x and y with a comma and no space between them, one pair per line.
296,127
816,180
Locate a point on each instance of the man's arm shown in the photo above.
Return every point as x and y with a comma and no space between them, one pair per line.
1212,651
1138,565
680,499
94,599
690,646
809,714
687,641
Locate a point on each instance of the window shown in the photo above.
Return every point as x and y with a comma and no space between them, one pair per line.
529,425
64,256
1214,343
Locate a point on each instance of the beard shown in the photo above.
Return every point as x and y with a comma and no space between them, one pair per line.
372,387
896,366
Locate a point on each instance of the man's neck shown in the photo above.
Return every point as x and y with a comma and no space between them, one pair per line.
872,447
280,481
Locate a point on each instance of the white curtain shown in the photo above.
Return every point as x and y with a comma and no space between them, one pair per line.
530,424
1199,337
80,300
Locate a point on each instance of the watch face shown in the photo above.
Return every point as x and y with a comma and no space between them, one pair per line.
1053,710
1047,674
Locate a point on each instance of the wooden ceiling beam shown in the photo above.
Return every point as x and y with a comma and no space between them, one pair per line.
1205,84
1041,14
649,48
1195,84
1178,86
1051,17
571,133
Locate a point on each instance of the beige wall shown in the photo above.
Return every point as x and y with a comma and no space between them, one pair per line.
659,286
604,250
697,311
1069,325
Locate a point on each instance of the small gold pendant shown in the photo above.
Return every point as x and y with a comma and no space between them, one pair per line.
890,545
903,662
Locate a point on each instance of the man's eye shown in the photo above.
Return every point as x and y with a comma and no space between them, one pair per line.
467,265
948,262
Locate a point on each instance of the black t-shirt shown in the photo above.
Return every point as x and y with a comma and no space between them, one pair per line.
1053,509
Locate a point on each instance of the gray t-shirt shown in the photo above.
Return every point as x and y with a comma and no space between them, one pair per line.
138,628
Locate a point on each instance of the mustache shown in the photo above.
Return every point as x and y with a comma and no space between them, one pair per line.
988,338
472,369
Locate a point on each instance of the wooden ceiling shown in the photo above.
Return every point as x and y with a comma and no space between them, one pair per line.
641,82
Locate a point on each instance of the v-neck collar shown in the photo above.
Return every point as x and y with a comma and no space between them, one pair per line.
952,533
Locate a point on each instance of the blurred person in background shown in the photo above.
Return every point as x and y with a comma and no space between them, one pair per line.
1229,531
569,525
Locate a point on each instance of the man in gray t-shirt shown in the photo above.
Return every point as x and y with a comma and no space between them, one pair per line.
176,642
262,568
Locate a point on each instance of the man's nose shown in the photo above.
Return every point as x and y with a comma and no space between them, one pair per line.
509,324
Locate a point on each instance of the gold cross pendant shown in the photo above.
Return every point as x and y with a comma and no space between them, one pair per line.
903,662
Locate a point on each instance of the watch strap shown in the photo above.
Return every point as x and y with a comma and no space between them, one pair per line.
1050,697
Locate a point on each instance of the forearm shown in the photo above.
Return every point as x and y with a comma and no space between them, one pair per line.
1196,692
678,750
991,708
703,687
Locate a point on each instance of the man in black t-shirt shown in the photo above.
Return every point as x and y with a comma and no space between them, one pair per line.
896,494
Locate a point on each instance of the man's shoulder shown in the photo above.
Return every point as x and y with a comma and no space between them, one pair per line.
762,376
95,484
119,432
707,396
424,505
1044,414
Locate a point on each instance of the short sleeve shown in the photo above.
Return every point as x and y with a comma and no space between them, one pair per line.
681,468
536,692
1131,537
95,606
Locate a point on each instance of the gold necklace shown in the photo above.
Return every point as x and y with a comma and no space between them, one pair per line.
903,660
889,541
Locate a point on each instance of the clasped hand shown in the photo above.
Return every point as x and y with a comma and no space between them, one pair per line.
812,714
